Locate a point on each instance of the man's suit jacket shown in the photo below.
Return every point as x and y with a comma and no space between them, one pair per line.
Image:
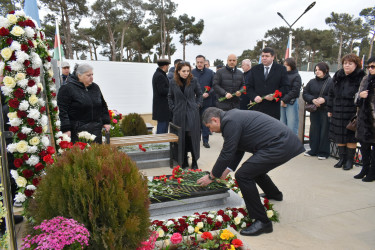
259,86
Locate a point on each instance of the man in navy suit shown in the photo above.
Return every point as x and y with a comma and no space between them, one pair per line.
264,80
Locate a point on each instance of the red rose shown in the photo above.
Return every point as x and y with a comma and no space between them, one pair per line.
207,235
14,103
29,193
48,159
13,57
53,80
18,162
31,83
51,150
24,47
4,32
19,93
21,114
31,121
41,35
38,130
26,63
220,212
237,243
25,157
14,129
30,23
43,153
21,136
8,68
12,12
42,109
53,94
21,23
56,108
64,144
27,173
39,166
30,71
37,72
30,43
36,181
218,224
38,91
48,58
9,41
226,218
210,220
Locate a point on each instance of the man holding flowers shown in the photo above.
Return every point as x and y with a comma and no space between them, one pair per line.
271,143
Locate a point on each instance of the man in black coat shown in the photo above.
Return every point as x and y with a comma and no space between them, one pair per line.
160,87
264,80
205,77
271,143
227,81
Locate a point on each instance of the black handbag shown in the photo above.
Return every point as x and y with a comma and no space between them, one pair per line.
311,107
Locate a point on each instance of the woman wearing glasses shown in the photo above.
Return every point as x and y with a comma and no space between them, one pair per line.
185,99
341,108
366,123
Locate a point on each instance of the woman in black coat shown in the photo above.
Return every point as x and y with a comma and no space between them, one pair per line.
366,123
185,99
82,106
316,92
341,108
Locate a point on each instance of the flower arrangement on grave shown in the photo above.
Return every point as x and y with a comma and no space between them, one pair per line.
115,117
23,53
58,233
242,90
276,95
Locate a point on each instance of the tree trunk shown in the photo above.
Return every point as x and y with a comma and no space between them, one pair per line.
183,46
371,45
90,50
111,42
339,55
65,23
122,41
351,45
96,55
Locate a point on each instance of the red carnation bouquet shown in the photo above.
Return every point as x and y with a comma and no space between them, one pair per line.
243,91
207,89
275,95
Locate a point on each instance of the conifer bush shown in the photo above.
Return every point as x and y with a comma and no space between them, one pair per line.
133,124
100,188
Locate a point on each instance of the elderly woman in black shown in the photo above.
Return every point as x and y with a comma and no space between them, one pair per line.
341,108
366,123
82,106
316,92
185,99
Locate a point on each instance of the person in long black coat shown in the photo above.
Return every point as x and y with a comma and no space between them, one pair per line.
341,108
82,106
244,98
264,80
185,99
272,144
160,87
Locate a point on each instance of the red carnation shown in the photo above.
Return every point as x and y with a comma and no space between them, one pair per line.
56,108
43,153
53,80
41,35
53,94
30,71
12,12
31,121
18,162
24,47
48,58
38,91
31,83
13,57
207,235
48,159
21,23
19,93
30,23
4,32
39,166
218,224
220,212
9,41
36,181
27,173
25,157
21,114
21,136
226,218
14,103
50,150
237,243
8,68
29,193
37,72
30,43
26,63
64,144
13,129
81,145
38,130
42,109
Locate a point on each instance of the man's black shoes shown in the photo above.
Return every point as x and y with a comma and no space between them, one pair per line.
206,145
278,197
257,228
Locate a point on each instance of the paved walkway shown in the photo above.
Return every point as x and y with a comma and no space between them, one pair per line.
323,207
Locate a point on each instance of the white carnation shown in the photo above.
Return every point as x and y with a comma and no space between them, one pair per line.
47,65
58,123
35,60
15,122
34,114
45,141
229,212
16,66
26,130
54,103
20,197
33,160
60,151
237,220
219,218
7,91
44,120
29,32
2,65
240,215
40,86
4,22
14,173
24,105
41,102
30,187
210,216
169,223
243,225
15,45
59,134
32,90
190,229
32,149
20,13
12,147
66,137
23,83
21,56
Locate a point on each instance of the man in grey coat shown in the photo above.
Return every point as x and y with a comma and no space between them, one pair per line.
271,143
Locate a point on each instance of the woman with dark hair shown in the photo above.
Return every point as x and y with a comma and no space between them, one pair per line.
289,100
316,92
185,99
366,123
82,106
341,108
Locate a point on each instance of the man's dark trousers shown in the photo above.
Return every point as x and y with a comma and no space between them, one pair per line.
162,127
205,131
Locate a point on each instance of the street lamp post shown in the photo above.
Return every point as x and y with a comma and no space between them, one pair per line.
290,26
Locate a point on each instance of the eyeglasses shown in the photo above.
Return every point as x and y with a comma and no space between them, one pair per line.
184,62
370,66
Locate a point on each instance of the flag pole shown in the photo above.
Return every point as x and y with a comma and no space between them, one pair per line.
59,47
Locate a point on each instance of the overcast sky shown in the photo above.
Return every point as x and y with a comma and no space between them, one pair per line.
231,26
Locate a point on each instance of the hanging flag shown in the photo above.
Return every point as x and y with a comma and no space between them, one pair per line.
287,50
363,61
31,9
58,55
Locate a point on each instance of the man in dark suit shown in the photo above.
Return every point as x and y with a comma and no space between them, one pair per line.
271,143
160,86
264,80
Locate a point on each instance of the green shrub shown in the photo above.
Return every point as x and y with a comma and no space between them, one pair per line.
133,124
101,188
